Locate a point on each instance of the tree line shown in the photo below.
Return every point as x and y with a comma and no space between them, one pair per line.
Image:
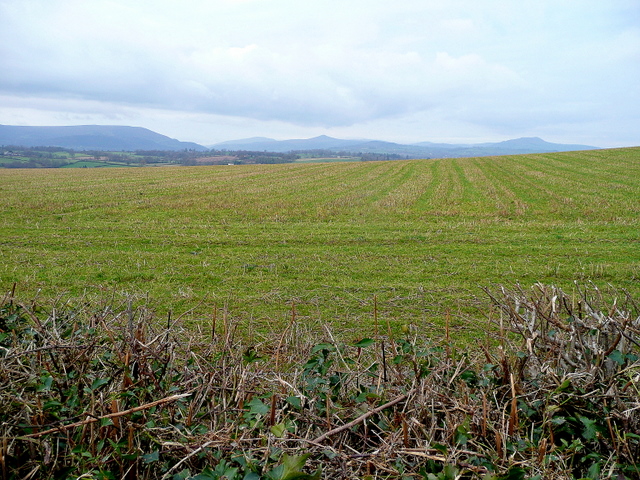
12,156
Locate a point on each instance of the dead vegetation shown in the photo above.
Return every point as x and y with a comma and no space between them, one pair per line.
104,391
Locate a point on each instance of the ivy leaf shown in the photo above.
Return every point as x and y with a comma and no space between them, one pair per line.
151,457
206,474
106,422
45,385
590,428
327,347
617,357
440,448
294,401
183,475
256,406
291,469
364,343
98,382
278,430
514,473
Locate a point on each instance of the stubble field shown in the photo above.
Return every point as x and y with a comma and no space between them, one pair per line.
400,242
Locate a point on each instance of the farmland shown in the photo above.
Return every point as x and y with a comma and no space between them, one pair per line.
418,236
257,321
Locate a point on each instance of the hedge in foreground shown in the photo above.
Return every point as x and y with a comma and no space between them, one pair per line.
102,391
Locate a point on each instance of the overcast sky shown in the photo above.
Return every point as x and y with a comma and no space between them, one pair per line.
406,70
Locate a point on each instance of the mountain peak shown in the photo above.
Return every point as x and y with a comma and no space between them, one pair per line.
322,137
527,140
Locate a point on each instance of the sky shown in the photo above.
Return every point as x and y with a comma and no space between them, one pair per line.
207,71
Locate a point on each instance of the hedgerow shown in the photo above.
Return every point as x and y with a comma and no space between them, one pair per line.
107,391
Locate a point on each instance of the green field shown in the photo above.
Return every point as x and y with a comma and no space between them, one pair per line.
4,160
421,236
327,159
92,164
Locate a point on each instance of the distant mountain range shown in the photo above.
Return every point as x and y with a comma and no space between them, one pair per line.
92,137
122,138
416,150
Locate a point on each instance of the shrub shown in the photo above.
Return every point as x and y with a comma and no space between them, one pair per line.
104,391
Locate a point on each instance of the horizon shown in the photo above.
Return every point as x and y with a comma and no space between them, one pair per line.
388,141
210,144
270,139
406,73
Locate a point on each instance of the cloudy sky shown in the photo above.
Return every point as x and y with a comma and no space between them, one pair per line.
406,70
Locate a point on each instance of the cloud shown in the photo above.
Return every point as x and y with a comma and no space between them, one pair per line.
325,65
100,53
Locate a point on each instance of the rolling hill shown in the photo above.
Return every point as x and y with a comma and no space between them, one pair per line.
92,137
126,138
417,150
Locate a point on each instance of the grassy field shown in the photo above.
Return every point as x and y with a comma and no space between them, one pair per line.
327,159
92,164
420,236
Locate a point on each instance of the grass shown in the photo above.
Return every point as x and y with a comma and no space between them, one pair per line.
327,159
419,236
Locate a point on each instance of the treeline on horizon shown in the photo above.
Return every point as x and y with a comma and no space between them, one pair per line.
12,156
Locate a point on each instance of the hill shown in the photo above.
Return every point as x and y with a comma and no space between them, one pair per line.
92,137
126,138
417,150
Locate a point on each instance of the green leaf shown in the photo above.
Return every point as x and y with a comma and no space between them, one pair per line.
45,383
440,448
364,343
183,475
461,434
291,469
469,377
617,357
398,359
450,472
294,401
250,355
364,396
105,422
278,430
104,475
222,471
563,386
590,431
206,474
51,405
323,347
98,382
151,457
256,406
514,473
594,471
